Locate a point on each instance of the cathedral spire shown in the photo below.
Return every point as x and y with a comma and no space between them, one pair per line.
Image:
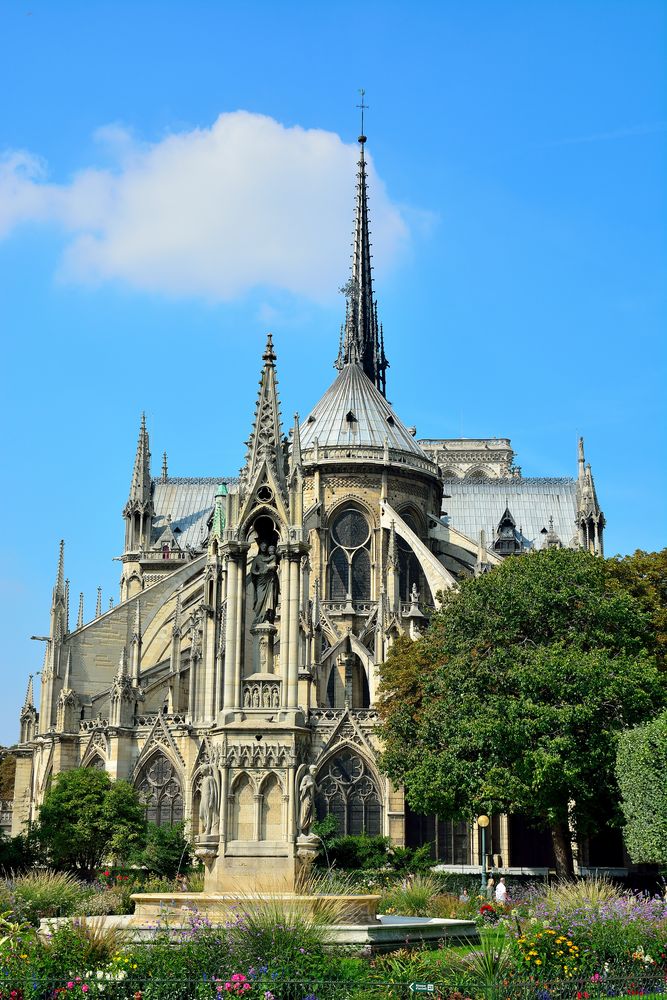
362,342
79,617
140,487
266,438
29,696
59,587
138,511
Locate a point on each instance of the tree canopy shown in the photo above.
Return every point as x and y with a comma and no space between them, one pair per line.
641,769
514,697
644,575
86,818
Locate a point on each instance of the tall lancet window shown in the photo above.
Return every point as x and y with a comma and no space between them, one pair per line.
160,791
409,570
350,560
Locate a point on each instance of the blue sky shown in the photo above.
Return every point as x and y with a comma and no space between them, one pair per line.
177,179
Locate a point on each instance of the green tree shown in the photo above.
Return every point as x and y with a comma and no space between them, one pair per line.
514,698
86,818
167,852
7,775
641,769
644,575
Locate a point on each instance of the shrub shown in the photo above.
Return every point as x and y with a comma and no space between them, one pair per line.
47,894
358,851
413,899
167,852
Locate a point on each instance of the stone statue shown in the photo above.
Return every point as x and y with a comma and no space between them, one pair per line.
307,789
208,804
264,573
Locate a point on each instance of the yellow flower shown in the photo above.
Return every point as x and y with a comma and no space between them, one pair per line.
538,961
551,932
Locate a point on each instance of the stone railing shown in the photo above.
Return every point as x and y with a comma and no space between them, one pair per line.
321,716
367,453
348,607
148,719
88,725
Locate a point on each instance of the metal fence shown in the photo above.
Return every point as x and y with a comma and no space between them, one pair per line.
363,988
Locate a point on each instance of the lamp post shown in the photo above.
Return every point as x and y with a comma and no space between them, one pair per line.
482,823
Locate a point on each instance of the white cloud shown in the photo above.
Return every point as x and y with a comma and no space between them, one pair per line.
211,212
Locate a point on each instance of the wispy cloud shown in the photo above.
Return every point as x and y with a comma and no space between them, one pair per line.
620,133
211,212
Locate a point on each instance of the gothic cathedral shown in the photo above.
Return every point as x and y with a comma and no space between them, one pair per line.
234,683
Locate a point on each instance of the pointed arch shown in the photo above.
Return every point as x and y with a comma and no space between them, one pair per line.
349,788
271,809
241,806
160,787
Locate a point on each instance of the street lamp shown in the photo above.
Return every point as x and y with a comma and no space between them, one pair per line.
482,823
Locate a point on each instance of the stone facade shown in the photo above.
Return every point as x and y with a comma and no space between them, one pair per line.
234,683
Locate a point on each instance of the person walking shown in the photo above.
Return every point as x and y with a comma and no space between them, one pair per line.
489,888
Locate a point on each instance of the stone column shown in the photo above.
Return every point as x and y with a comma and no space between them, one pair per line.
231,630
239,623
293,653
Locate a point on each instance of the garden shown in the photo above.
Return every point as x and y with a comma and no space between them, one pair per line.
579,939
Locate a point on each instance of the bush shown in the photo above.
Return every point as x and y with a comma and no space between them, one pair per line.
167,852
358,851
47,894
412,899
17,854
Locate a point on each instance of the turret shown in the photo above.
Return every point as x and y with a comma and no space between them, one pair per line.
67,717
590,519
28,717
122,696
138,511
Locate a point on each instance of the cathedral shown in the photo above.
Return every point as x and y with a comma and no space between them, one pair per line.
238,671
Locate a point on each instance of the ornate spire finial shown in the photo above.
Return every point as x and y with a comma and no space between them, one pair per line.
295,453
29,696
362,106
266,438
79,617
164,467
581,460
98,606
362,343
59,589
140,487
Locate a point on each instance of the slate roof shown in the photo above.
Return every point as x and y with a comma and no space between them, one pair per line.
474,505
374,420
189,502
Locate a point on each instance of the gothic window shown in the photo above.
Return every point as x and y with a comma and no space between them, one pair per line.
242,809
271,810
347,791
349,559
96,763
160,791
409,570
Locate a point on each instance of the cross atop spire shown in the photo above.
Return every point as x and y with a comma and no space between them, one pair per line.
362,342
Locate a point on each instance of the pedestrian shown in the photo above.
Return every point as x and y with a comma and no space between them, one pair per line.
489,888
501,891
464,897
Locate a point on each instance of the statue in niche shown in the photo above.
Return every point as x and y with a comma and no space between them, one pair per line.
264,574
266,698
307,789
208,804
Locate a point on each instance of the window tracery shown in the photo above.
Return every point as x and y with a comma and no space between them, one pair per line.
349,558
346,789
160,791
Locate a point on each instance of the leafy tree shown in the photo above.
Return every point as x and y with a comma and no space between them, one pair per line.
86,818
644,575
167,852
641,769
18,854
514,698
7,775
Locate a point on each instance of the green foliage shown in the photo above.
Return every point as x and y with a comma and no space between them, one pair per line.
514,698
7,774
358,851
644,575
18,854
167,852
410,860
414,898
641,769
47,894
86,817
